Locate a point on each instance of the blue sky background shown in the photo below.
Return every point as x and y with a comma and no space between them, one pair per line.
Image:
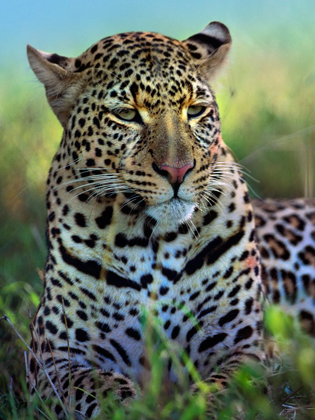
68,27
265,94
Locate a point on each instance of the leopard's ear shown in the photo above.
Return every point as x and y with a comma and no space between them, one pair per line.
210,48
61,83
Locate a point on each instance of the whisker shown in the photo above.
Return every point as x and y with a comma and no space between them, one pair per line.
100,191
130,200
100,184
190,224
213,200
107,190
135,206
239,168
86,179
155,227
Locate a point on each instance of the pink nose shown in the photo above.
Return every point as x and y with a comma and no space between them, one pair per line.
176,175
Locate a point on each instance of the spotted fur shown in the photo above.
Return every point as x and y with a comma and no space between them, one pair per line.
147,211
286,233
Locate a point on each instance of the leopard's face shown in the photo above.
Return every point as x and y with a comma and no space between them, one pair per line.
143,127
132,120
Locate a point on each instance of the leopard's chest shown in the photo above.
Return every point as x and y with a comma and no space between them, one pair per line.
163,291
103,302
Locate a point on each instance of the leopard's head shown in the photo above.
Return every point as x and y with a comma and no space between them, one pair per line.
140,119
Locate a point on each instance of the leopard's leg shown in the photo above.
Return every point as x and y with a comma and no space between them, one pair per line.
225,368
227,351
80,389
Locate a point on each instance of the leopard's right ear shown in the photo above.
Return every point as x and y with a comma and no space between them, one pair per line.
57,74
209,49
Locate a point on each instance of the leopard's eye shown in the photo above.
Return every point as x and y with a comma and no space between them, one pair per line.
126,114
195,111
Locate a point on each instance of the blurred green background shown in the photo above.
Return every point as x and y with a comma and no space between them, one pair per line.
266,97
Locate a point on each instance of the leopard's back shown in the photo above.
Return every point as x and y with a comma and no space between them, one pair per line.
286,235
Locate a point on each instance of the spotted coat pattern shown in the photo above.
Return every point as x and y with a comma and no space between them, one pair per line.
147,213
286,233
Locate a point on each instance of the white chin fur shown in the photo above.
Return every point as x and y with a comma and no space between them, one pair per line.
173,212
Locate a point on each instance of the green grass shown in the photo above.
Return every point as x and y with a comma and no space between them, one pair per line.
267,111
285,388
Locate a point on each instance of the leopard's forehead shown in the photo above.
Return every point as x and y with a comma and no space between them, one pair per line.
135,69
157,67
148,50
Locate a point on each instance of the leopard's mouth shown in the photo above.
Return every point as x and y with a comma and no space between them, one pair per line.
173,211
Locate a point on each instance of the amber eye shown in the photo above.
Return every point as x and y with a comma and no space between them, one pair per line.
195,111
126,114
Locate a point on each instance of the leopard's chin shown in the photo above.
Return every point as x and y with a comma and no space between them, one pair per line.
172,212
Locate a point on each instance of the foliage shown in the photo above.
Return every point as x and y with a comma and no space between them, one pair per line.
285,389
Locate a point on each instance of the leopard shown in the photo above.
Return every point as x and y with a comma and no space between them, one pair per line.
148,212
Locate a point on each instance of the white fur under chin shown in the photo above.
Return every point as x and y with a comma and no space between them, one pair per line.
172,213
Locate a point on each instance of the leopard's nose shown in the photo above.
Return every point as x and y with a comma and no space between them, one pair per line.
175,175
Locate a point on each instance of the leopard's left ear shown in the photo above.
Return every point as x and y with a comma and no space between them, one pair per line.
57,74
210,48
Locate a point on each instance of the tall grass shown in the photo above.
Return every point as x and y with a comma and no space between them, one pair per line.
266,101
